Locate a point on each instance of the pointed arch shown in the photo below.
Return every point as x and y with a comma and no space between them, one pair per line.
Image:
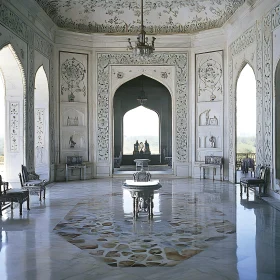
246,116
41,121
15,89
125,80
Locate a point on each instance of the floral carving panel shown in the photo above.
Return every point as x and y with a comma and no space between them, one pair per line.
209,76
73,77
267,90
123,16
14,126
179,61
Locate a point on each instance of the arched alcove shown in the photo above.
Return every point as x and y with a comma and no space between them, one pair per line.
14,89
246,120
41,121
158,100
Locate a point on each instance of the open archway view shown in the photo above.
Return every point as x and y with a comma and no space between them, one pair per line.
12,89
141,132
246,123
41,120
142,125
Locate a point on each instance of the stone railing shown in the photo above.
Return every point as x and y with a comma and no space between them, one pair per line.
241,156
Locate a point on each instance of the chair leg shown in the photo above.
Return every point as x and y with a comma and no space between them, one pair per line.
247,189
44,194
40,197
20,208
28,203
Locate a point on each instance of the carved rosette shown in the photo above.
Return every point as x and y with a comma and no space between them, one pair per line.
180,61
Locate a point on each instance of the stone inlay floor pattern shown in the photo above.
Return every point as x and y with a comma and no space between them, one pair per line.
184,224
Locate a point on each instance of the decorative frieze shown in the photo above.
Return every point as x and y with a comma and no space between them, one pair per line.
267,90
43,46
29,124
259,92
13,22
247,38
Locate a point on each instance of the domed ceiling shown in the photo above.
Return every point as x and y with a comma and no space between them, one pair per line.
123,16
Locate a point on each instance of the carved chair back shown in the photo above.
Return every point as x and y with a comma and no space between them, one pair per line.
214,160
74,160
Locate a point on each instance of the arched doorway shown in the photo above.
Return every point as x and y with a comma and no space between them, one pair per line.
276,186
41,121
140,132
246,123
13,122
127,98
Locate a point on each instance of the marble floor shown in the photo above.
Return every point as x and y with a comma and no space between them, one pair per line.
201,229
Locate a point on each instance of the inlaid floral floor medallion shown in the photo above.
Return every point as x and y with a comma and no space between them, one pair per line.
184,224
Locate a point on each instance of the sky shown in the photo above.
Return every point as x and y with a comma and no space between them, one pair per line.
147,125
246,103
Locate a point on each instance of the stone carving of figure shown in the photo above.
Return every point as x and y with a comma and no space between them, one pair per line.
212,141
72,143
136,148
141,146
147,148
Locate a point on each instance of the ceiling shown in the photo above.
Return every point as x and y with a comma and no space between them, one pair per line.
123,16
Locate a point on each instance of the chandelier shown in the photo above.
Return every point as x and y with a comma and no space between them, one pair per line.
142,47
142,98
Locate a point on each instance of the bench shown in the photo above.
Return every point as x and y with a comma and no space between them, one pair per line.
12,195
213,162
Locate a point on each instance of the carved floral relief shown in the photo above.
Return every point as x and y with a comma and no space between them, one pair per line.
160,16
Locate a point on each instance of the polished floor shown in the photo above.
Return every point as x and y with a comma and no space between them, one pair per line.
86,230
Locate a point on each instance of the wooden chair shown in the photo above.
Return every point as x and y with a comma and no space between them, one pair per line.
28,176
34,187
13,195
260,181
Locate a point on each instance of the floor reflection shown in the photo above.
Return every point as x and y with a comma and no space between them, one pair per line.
258,237
185,224
201,229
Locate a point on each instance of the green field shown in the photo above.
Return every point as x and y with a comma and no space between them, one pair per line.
246,144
